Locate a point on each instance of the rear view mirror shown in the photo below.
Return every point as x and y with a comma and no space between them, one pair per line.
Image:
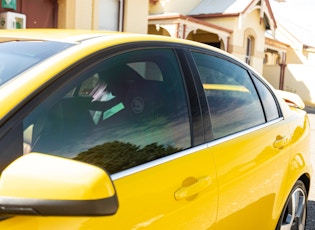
39,184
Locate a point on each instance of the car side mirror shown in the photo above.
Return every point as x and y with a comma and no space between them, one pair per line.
40,184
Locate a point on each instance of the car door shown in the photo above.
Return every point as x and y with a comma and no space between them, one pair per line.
250,143
130,114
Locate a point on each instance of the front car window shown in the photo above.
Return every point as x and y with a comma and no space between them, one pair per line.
125,111
232,98
18,56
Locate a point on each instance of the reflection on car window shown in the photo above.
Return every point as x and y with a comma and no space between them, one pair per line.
17,56
268,100
125,111
233,101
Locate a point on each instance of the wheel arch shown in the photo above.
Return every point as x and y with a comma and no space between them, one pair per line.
295,216
306,179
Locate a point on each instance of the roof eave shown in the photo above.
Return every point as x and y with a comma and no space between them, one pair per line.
217,15
271,14
187,18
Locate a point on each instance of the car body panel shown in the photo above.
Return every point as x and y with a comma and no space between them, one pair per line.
257,165
240,181
153,187
157,186
300,147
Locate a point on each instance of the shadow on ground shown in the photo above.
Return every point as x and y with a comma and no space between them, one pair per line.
309,109
310,221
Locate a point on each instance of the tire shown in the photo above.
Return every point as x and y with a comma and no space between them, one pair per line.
293,216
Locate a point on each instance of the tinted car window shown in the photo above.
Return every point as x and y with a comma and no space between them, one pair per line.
125,111
17,56
233,101
268,101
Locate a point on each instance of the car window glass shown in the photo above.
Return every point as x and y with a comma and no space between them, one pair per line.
18,56
125,111
232,99
269,103
148,70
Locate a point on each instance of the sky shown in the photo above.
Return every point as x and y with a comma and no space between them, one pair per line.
298,17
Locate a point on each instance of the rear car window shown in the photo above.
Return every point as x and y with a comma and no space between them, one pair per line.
232,98
18,56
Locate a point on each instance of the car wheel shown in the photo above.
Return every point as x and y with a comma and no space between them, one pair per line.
293,215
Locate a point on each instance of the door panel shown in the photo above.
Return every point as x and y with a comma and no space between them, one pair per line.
250,145
251,176
147,198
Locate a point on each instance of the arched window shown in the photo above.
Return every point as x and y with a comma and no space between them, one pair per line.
249,46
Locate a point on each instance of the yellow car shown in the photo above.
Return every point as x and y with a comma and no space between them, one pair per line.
103,130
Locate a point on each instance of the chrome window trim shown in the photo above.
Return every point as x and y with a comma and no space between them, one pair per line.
186,152
157,162
242,133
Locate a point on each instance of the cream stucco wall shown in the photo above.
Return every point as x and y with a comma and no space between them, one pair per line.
271,73
84,14
225,22
84,11
173,6
310,56
66,14
299,79
76,14
299,74
250,27
136,16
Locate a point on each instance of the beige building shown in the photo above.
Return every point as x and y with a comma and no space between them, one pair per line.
290,55
235,26
247,29
290,65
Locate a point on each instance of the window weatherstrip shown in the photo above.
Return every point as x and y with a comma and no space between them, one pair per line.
244,132
157,162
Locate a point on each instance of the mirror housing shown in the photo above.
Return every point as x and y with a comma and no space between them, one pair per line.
40,184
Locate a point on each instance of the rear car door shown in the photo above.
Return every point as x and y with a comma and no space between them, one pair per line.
250,143
128,112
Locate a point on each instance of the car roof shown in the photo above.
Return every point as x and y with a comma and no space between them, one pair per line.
78,36
62,35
